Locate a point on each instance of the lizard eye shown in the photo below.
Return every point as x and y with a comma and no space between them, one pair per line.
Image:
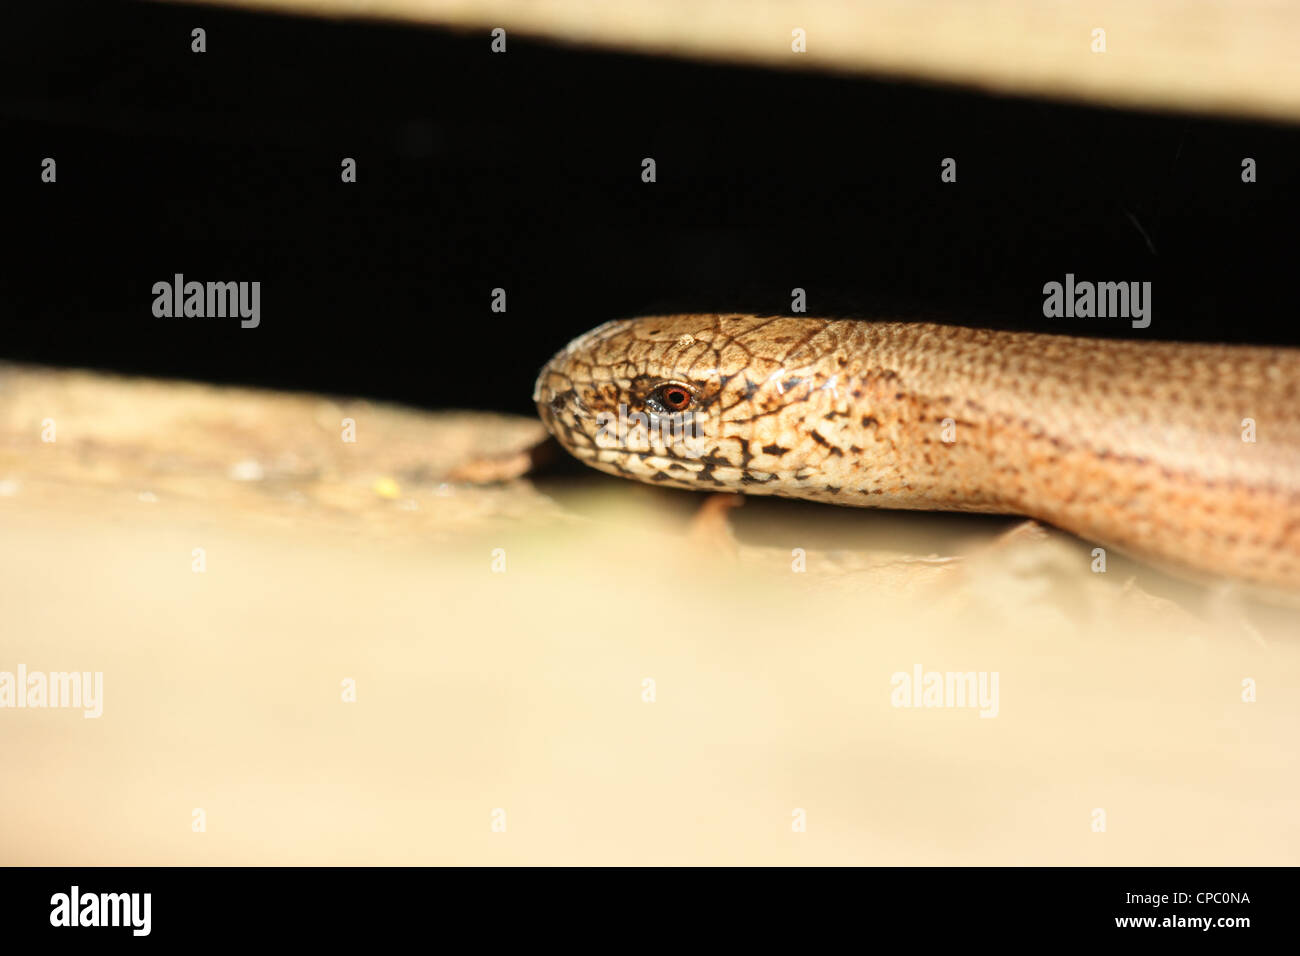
670,397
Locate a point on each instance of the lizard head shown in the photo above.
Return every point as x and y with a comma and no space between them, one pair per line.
709,402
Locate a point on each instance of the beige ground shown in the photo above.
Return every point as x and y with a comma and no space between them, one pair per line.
1235,57
522,690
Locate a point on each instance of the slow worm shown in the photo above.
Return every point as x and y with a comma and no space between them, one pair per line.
1182,454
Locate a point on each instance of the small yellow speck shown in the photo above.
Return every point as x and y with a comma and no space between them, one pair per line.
387,488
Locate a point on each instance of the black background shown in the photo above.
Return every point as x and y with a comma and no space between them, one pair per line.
523,171
328,906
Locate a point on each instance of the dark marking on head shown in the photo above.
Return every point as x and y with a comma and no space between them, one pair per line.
706,474
713,461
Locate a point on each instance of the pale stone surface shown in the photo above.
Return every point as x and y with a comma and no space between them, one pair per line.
500,637
1234,57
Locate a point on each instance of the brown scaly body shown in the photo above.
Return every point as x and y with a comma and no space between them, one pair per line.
1136,445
